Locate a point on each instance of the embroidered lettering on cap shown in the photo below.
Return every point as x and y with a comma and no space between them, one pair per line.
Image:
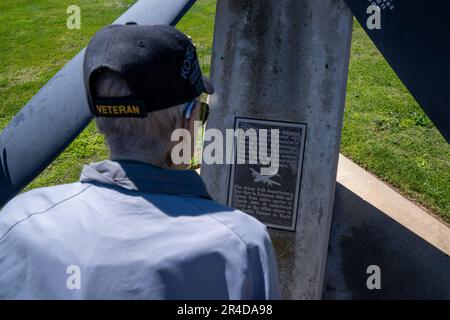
118,110
188,62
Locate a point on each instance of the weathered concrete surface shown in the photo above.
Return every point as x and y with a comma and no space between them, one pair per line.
374,225
286,60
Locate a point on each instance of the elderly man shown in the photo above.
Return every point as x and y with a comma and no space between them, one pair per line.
136,226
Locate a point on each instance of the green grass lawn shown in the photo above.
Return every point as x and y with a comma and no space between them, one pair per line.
385,130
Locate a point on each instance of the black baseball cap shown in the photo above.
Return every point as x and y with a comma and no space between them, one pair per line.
158,62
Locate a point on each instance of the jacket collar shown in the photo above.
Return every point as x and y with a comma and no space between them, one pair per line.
139,176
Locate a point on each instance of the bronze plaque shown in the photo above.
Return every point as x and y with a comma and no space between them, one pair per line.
272,199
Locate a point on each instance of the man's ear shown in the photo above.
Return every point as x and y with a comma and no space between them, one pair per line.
184,123
195,115
188,123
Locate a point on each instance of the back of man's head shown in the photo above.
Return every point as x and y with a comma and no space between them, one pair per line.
138,79
141,139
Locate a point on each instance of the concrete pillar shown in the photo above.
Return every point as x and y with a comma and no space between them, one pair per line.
286,60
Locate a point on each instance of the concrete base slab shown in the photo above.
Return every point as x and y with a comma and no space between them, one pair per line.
374,225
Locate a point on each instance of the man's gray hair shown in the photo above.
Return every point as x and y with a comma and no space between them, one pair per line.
141,139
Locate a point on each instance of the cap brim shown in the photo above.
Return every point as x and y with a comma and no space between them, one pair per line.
209,88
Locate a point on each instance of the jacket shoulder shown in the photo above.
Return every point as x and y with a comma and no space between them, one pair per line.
42,198
247,228
36,201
